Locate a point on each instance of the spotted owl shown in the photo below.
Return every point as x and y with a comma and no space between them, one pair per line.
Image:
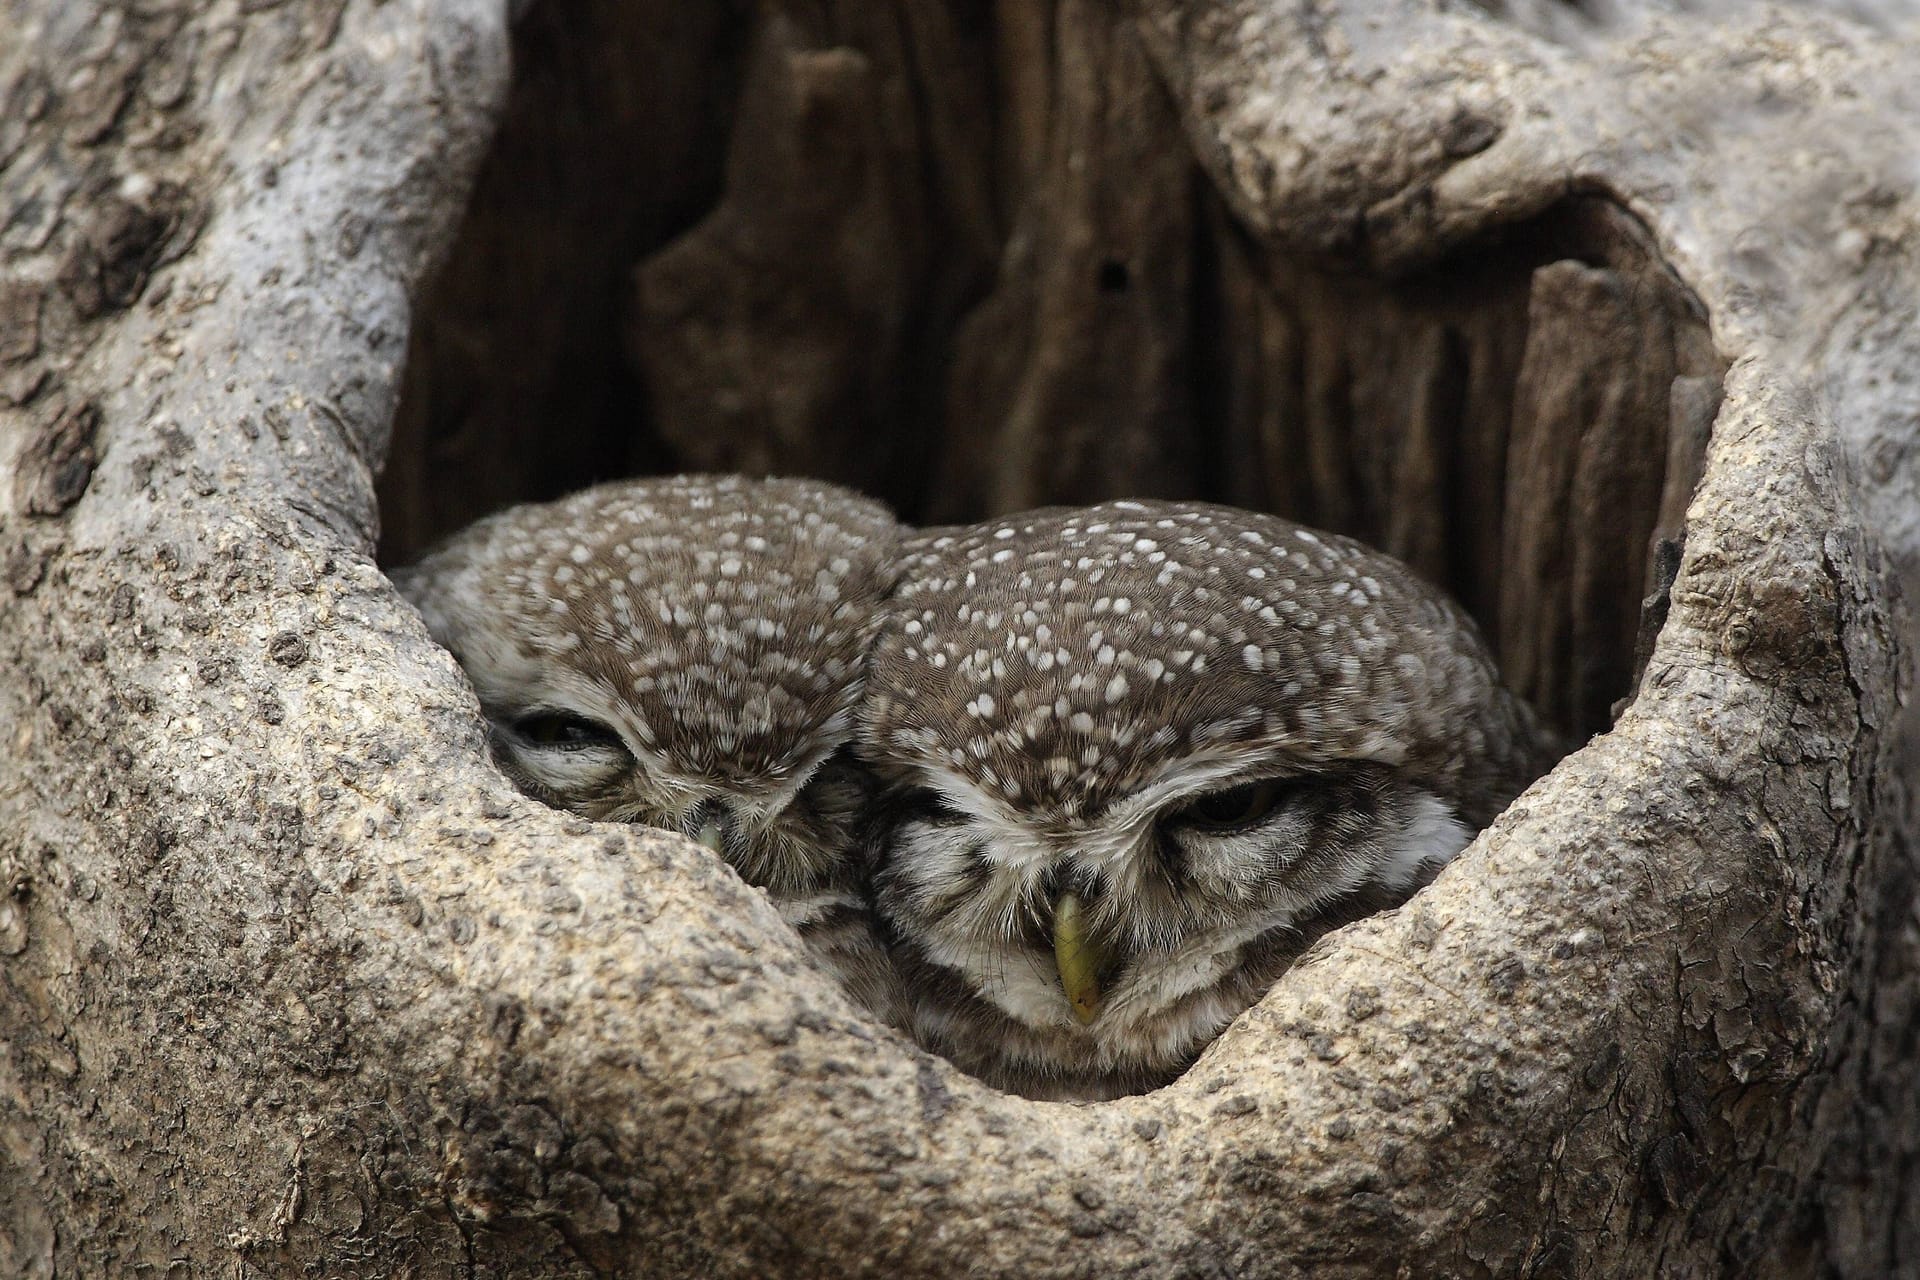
1138,756
686,653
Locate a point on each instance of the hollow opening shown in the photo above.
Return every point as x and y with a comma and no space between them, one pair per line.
962,257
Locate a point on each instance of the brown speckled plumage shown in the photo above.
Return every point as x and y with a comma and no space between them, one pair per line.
685,652
1203,736
1061,656
1053,694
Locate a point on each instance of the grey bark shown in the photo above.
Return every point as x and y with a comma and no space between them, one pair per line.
291,982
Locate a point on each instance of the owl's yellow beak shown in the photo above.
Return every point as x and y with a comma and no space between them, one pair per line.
1078,956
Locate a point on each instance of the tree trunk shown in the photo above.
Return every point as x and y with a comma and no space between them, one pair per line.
292,982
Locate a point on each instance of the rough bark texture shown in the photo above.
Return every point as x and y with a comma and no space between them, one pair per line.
292,983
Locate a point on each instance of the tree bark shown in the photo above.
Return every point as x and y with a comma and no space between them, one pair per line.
291,981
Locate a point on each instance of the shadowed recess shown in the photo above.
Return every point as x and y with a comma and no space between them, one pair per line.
967,262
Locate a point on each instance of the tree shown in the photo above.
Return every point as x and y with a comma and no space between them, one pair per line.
292,983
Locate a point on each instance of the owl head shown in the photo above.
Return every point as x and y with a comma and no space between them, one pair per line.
1138,755
682,652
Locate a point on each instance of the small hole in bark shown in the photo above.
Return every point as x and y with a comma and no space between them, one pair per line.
706,240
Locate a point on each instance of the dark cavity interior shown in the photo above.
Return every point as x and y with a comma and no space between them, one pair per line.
962,257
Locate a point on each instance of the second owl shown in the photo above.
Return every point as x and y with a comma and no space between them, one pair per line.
688,653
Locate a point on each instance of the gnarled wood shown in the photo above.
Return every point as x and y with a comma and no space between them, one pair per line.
291,980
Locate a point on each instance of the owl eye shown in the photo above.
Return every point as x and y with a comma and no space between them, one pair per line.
566,732
1237,807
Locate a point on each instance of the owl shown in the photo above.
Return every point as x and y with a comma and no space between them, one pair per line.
686,653
1136,757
